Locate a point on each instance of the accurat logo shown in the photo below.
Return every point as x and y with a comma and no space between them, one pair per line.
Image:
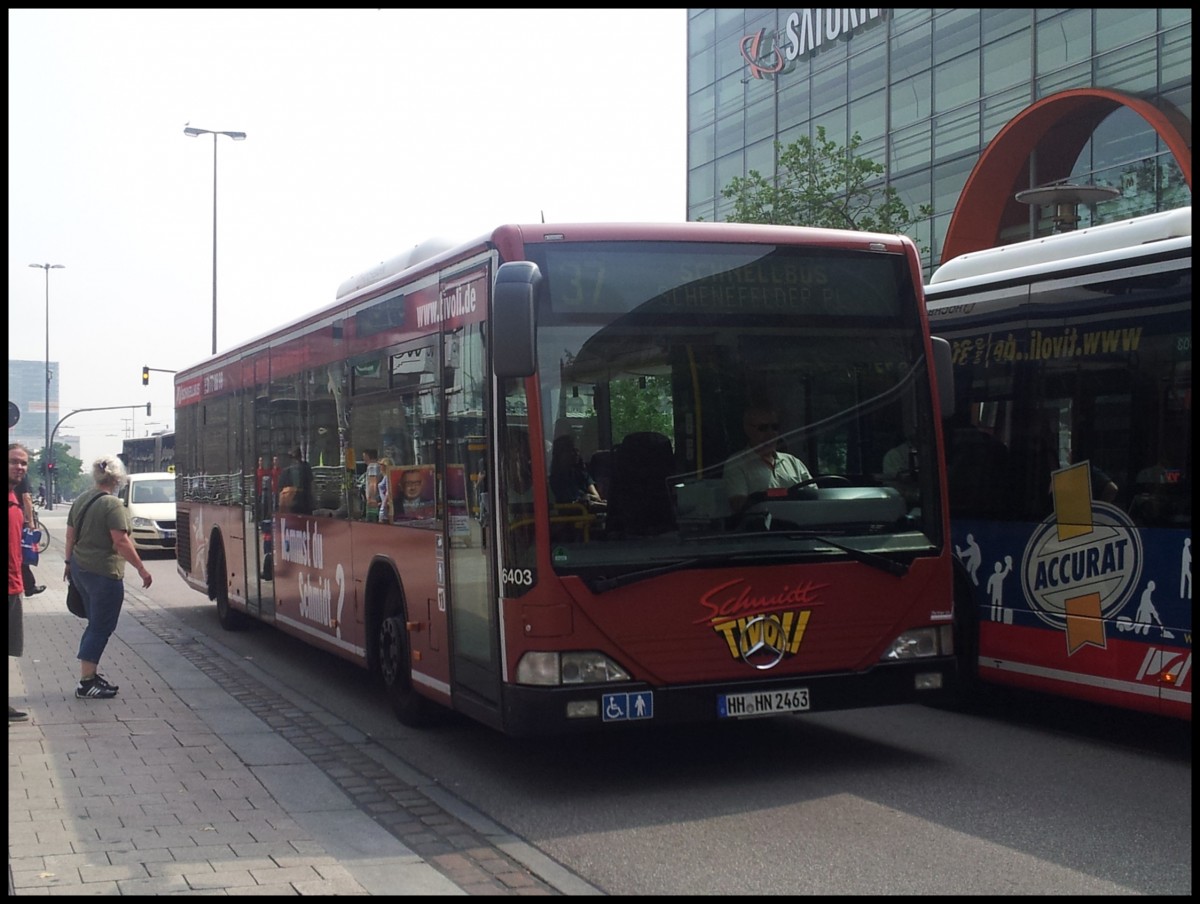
1082,564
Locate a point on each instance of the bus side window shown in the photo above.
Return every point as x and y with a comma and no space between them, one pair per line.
1161,498
977,472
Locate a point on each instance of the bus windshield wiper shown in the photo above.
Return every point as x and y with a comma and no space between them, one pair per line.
874,559
605,584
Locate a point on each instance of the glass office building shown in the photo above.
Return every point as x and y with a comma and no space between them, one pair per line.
27,388
928,90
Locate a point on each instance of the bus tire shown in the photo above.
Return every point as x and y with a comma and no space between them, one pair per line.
218,588
393,656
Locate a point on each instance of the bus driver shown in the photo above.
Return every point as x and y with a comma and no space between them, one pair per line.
761,465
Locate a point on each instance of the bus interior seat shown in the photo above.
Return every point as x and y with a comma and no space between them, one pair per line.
639,502
331,504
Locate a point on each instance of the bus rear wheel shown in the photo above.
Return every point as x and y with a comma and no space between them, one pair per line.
395,666
218,584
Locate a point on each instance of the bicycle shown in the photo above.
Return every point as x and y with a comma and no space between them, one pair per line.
44,542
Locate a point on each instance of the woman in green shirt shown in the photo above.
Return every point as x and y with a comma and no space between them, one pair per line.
98,546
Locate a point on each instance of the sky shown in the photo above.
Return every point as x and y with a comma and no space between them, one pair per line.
368,132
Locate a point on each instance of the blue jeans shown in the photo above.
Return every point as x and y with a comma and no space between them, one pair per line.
102,600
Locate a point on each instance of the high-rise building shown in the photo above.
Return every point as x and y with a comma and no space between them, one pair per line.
27,390
1093,97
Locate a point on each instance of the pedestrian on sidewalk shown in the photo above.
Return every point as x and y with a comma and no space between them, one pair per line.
98,546
18,468
25,497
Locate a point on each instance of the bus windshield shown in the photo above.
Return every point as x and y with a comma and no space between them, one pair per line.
714,400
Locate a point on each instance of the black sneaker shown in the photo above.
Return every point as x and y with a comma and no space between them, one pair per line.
34,591
15,715
95,686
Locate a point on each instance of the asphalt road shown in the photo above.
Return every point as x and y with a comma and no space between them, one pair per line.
1025,795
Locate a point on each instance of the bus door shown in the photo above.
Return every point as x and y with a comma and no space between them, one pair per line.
258,511
468,548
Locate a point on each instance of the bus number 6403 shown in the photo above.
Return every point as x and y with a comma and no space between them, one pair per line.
520,577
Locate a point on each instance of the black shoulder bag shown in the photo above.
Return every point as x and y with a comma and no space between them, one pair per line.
74,597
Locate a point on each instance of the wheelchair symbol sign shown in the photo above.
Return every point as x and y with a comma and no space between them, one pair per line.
627,707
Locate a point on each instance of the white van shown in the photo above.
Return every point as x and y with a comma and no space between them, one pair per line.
150,498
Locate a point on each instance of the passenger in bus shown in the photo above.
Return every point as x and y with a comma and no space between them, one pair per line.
382,496
518,469
1161,496
1104,488
900,470
900,461
1033,458
267,481
976,470
761,465
296,486
1083,440
368,484
569,480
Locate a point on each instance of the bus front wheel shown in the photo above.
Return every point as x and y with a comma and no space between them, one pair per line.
395,667
965,695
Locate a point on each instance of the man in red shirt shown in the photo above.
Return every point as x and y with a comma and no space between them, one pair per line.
18,468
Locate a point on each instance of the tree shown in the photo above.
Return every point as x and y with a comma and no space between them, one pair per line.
640,404
68,477
822,183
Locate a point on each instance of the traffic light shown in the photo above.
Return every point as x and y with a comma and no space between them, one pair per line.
147,409
50,465
146,376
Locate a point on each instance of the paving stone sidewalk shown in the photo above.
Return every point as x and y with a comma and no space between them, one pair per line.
203,777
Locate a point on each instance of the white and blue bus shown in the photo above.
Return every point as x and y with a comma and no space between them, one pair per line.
1069,459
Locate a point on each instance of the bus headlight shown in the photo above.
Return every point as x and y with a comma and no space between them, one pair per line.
920,643
587,667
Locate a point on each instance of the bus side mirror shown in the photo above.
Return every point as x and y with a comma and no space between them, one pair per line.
514,345
943,372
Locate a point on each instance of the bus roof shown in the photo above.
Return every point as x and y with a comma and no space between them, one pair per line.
385,271
432,253
398,264
1054,249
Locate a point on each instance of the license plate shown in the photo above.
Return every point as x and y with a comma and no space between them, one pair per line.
168,535
762,703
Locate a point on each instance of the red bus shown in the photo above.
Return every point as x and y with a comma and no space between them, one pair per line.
1070,460
419,536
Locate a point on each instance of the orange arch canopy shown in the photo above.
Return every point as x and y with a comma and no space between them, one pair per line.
987,204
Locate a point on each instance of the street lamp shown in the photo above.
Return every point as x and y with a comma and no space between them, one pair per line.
1065,198
48,454
193,132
